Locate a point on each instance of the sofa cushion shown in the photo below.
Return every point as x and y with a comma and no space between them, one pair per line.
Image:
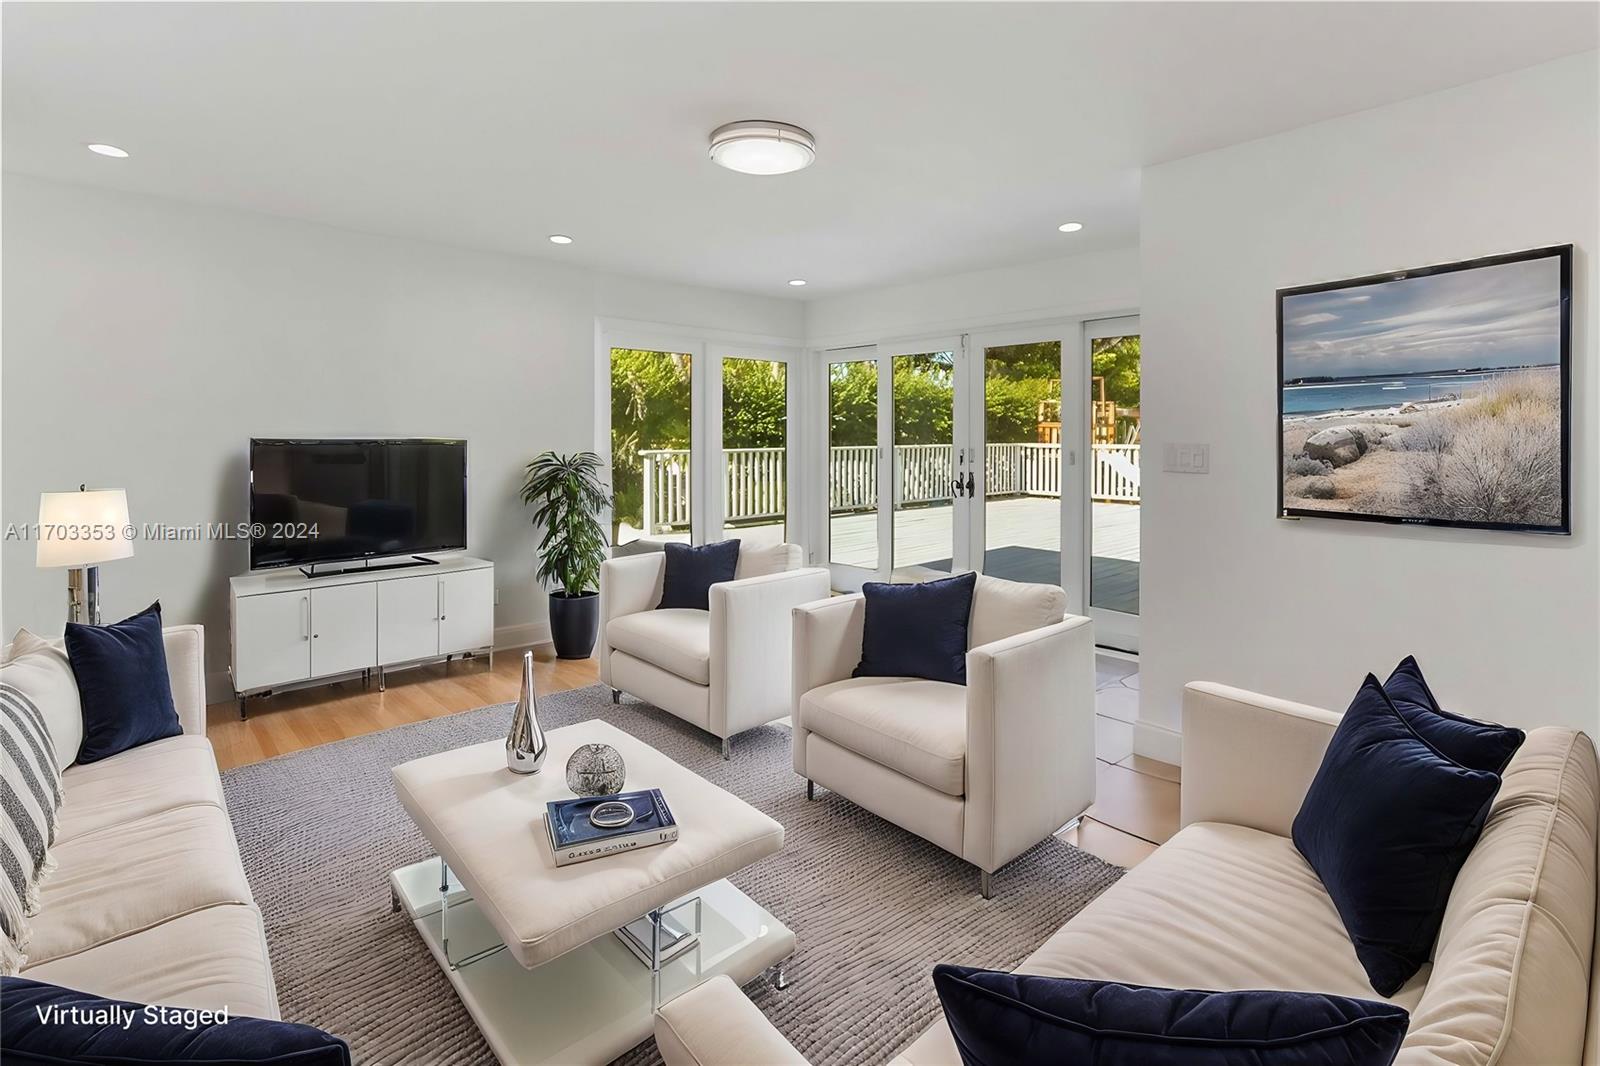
677,640
1217,906
1006,1019
30,799
122,679
691,570
1387,823
150,779
1510,969
772,559
134,876
210,958
45,1024
913,726
917,630
39,669
1002,608
1474,744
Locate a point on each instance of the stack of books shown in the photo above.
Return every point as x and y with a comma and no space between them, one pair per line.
574,838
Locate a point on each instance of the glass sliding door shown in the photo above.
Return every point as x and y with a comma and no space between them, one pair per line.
853,468
924,501
1113,355
652,431
754,489
1022,461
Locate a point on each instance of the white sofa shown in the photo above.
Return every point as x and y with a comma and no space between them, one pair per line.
1228,903
985,770
148,901
725,670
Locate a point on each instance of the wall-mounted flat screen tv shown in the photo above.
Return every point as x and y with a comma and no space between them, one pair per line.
325,501
1437,396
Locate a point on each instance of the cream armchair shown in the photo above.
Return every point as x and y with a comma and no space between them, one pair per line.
725,670
984,771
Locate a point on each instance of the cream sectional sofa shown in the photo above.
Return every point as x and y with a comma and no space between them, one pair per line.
149,901
1228,903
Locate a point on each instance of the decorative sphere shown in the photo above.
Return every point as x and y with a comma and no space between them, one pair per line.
596,770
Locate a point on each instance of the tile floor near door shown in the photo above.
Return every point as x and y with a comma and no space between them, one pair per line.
1137,806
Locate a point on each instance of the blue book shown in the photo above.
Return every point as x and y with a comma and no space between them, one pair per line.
574,838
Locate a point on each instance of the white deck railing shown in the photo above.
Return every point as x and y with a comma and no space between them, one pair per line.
755,480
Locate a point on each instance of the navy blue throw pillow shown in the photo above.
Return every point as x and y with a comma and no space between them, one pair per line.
693,569
44,1024
123,684
1479,745
1386,824
917,630
1003,1019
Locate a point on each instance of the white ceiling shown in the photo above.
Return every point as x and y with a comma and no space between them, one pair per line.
950,137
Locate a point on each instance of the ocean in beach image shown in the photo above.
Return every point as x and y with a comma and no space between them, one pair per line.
1435,398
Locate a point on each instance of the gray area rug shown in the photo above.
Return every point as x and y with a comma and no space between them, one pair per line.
872,906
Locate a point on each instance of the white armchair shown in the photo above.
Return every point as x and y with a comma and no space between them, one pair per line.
725,670
984,771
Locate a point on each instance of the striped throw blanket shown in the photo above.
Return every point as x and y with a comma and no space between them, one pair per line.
30,798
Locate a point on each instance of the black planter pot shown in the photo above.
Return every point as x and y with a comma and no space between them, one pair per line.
574,623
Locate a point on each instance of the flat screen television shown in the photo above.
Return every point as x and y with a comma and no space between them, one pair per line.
327,501
1436,396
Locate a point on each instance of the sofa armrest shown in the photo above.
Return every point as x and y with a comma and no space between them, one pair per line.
628,584
826,648
185,648
751,635
1248,759
713,1024
1030,738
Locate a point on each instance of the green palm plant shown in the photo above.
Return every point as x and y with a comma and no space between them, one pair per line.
568,495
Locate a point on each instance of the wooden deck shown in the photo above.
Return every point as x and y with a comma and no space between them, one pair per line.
1024,544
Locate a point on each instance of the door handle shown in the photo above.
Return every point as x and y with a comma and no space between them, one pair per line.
971,485
438,599
955,487
305,617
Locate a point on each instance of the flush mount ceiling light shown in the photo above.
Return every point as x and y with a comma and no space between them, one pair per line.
560,238
797,282
1070,227
762,147
107,149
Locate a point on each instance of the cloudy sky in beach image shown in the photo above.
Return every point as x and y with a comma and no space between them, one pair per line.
1506,315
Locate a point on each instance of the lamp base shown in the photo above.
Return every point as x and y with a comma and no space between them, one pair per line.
83,595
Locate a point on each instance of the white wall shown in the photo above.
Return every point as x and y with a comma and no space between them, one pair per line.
1505,625
146,341
1094,284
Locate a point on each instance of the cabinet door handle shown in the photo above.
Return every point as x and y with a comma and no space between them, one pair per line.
440,595
305,617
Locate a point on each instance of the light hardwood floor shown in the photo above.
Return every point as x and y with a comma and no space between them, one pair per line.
1136,809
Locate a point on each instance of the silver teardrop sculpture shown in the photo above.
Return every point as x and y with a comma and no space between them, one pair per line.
526,747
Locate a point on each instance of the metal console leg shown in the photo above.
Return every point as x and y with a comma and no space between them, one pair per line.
727,747
986,884
616,695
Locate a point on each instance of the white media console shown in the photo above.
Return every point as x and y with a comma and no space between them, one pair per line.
288,628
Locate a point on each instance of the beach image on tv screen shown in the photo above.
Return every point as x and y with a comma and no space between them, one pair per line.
1435,398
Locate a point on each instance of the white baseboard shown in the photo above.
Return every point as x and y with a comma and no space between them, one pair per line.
528,634
1158,742
219,684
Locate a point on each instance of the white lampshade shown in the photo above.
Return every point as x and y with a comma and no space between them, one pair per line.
98,518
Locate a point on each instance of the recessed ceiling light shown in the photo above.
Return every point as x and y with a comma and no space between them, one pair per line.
108,149
762,147
797,282
1070,227
560,238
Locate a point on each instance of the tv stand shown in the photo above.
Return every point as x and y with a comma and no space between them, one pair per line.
367,567
290,629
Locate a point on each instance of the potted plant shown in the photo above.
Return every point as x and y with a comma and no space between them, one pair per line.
568,496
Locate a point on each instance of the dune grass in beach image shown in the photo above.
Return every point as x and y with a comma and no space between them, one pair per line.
1434,398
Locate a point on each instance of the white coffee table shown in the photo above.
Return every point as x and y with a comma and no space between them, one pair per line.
528,945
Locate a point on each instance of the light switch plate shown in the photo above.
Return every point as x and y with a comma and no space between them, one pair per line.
1186,458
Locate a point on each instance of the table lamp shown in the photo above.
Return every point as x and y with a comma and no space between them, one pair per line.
80,530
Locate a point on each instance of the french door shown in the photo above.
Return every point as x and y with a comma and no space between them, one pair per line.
1111,351
946,453
700,439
